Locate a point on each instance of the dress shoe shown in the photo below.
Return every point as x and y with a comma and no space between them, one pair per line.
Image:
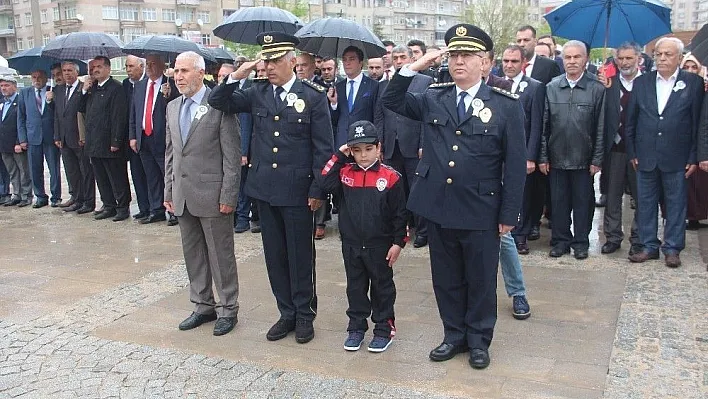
153,217
601,202
635,249
73,208
107,213
4,199
672,260
195,320
12,202
420,241
54,204
172,220
695,225
255,227
121,215
40,203
643,256
304,331
224,325
610,247
241,227
335,210
479,358
557,252
280,329
24,203
581,254
445,352
522,248
534,234
141,215
319,233
85,209
100,210
68,203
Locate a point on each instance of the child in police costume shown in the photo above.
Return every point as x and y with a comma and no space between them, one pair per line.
372,224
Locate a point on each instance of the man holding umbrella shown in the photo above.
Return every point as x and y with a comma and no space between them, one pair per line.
292,140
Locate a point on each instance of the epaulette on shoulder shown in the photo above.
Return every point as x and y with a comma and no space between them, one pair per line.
441,85
505,93
314,85
262,79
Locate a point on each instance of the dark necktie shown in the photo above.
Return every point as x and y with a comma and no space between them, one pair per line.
461,110
68,93
278,100
38,100
350,97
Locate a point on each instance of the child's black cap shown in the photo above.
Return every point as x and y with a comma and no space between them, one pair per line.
362,132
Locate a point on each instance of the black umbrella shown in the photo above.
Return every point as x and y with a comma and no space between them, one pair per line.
328,37
30,60
245,24
166,46
222,56
699,45
83,46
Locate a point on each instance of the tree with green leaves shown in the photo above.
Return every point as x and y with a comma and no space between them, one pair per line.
499,18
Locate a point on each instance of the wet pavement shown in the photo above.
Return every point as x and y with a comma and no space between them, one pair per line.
90,309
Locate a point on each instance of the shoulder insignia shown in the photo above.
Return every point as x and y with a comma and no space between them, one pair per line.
441,85
314,85
262,79
505,93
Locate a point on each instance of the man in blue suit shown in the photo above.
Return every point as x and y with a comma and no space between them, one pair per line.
146,131
662,125
35,127
353,99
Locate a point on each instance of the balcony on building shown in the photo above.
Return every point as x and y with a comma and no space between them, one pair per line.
5,6
131,24
68,25
194,3
7,31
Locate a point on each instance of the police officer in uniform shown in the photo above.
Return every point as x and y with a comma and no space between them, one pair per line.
473,169
291,142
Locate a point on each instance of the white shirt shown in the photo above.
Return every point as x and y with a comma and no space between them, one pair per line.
72,88
515,82
158,83
629,84
572,83
286,87
663,89
471,92
357,82
529,67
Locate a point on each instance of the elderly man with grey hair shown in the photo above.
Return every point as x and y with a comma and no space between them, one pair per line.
662,124
572,149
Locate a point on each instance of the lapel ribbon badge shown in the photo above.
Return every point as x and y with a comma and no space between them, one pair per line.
200,112
680,85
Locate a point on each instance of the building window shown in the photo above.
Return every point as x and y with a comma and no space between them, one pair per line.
168,14
15,1
114,34
206,39
55,10
110,12
129,13
186,15
45,39
70,12
204,16
20,46
44,16
130,34
18,21
30,42
11,46
28,19
149,14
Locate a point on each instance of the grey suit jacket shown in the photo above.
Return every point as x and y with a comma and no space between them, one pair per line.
204,171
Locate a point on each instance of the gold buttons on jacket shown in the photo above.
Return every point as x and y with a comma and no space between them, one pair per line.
455,147
275,165
458,132
449,180
276,134
451,164
276,118
275,149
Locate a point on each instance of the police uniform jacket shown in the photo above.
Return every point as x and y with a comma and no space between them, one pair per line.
288,148
472,173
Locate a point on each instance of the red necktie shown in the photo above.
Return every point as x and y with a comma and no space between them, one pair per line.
148,109
523,68
386,72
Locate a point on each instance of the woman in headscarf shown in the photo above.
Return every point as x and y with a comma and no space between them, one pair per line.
697,209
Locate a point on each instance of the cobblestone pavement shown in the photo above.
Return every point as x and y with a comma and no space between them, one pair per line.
50,349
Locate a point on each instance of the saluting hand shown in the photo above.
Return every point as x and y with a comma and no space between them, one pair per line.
244,70
426,61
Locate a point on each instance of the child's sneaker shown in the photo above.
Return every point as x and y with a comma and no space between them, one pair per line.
379,344
354,340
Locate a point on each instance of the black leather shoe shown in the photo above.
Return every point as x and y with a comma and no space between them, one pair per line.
24,203
420,241
54,204
601,202
153,217
445,352
86,209
479,358
224,325
68,203
12,202
581,254
108,213
4,199
304,331
610,247
534,234
557,252
195,320
255,227
172,220
280,329
141,215
40,204
100,210
522,248
635,249
71,208
121,215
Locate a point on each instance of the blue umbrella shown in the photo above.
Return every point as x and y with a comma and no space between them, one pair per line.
609,23
30,60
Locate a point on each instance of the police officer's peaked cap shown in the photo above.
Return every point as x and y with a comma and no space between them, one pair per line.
362,132
276,44
466,37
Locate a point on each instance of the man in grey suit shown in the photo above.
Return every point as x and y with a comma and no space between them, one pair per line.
202,172
401,138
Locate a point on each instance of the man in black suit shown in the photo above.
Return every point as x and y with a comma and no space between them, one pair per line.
662,123
77,166
401,137
353,99
146,132
135,67
532,95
